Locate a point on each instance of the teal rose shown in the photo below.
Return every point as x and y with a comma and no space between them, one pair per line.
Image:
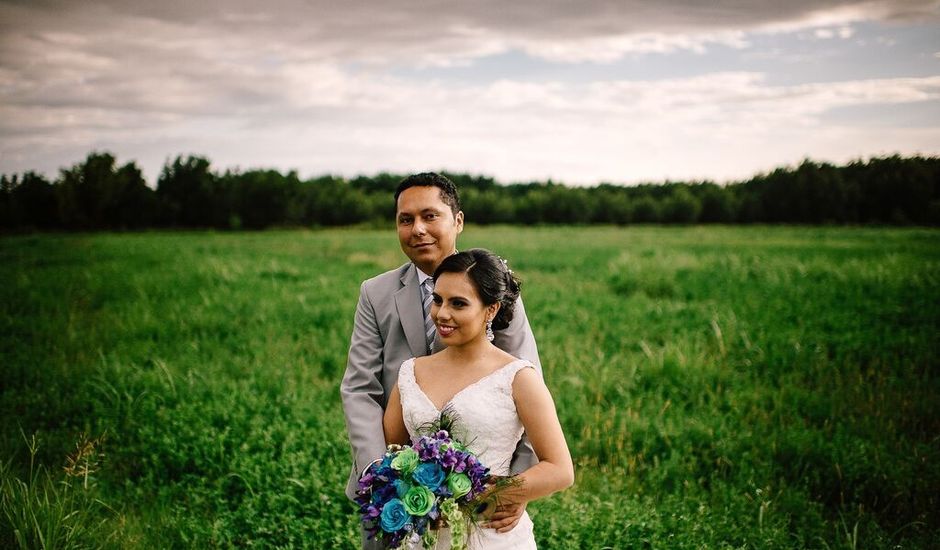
401,487
429,474
419,500
394,516
405,461
459,484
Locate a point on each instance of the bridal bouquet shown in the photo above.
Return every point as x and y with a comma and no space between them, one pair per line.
407,493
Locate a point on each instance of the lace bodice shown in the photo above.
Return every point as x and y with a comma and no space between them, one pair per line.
485,413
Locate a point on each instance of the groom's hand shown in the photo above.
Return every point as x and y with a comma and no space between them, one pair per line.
506,517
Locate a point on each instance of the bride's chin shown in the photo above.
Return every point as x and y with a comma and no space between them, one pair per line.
454,341
472,341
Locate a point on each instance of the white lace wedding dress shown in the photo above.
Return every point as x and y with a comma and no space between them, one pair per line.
486,411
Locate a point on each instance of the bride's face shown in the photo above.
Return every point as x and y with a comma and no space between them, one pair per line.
458,311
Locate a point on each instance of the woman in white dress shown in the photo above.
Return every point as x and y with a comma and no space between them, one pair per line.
493,395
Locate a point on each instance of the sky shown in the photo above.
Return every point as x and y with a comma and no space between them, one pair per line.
581,92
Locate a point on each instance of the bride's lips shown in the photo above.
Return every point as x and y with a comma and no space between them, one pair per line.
445,331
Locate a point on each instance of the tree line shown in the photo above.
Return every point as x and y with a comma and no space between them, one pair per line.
98,194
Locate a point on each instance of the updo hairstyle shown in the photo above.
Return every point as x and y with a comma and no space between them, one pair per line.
491,277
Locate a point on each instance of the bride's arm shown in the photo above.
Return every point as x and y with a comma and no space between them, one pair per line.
555,470
393,423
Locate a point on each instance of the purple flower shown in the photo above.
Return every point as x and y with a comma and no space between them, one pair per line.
449,458
428,453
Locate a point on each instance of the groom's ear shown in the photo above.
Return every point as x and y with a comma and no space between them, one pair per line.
458,221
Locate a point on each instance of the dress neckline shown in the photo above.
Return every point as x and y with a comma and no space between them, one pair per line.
414,379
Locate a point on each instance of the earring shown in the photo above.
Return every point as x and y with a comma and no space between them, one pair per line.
489,330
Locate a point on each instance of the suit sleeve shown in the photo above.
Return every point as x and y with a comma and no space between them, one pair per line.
517,339
361,390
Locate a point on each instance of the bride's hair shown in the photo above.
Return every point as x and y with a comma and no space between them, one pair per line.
492,278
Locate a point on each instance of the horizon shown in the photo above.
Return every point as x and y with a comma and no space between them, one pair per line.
626,94
118,162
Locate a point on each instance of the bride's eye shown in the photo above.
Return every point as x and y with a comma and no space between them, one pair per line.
437,299
458,303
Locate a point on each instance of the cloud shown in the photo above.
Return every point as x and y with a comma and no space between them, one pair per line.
826,33
312,85
184,58
439,32
327,120
609,49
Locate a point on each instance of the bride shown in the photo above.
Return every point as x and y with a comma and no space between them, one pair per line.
493,395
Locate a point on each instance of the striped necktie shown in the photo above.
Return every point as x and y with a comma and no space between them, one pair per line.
429,328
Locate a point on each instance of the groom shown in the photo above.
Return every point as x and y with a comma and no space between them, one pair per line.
393,323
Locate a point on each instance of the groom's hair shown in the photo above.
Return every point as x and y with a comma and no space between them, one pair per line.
492,278
430,179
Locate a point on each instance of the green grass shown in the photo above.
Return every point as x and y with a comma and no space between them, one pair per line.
719,387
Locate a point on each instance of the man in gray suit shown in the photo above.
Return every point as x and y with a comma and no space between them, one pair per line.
393,324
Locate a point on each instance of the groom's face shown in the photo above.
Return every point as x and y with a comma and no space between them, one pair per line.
427,227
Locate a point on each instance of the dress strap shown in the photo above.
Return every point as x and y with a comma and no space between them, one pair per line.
507,374
406,374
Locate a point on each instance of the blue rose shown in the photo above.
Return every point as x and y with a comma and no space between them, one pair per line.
394,516
429,474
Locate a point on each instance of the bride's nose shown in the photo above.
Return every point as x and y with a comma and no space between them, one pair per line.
439,312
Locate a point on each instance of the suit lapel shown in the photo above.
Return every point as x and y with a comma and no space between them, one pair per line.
408,303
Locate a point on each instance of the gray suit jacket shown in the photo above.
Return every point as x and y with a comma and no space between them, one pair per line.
388,329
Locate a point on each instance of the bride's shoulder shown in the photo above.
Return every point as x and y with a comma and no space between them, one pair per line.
408,365
525,378
421,366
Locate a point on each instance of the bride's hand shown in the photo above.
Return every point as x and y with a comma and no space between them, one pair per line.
501,513
506,517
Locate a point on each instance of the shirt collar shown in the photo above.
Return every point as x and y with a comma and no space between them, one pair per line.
422,276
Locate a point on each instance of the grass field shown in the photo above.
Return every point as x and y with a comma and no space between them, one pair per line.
720,387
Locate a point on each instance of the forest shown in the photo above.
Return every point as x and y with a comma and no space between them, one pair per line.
100,194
